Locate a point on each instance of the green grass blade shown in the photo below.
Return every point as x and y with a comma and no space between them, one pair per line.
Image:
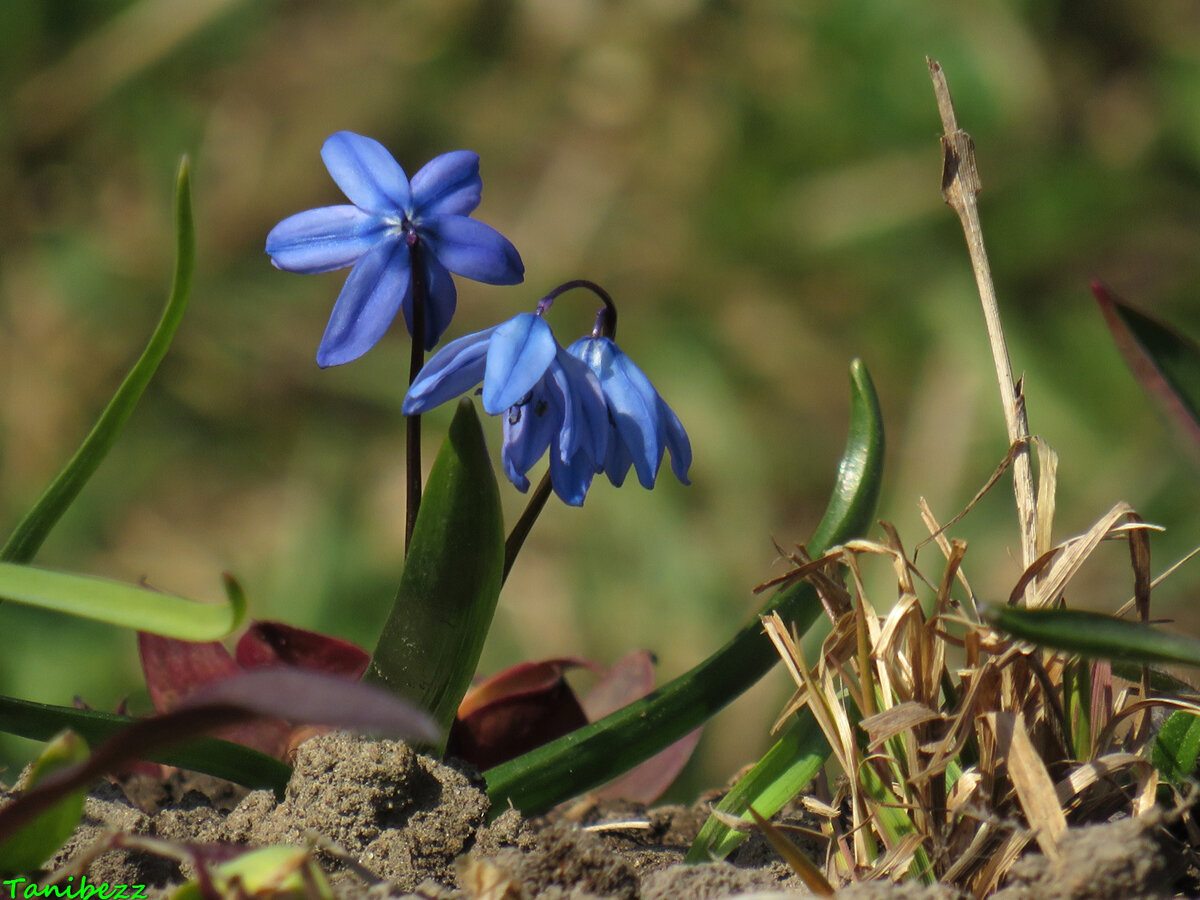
37,841
601,750
1176,748
780,775
429,647
32,530
40,722
127,605
1094,635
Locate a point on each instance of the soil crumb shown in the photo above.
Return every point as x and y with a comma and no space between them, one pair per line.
1122,860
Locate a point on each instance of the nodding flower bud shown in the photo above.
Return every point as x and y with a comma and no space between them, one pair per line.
589,405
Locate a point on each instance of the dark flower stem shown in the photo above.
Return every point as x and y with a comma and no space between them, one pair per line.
413,423
606,326
516,537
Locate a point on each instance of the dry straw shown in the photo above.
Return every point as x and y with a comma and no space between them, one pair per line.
959,748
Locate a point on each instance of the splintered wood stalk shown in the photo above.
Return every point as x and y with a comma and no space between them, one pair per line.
960,188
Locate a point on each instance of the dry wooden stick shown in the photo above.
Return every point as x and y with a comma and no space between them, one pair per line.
960,187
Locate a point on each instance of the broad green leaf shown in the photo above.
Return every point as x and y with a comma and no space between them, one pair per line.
1094,635
602,750
37,841
782,772
1176,748
1166,362
430,645
123,604
29,534
41,721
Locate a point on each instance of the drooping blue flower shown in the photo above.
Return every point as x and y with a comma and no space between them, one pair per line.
392,222
550,400
642,425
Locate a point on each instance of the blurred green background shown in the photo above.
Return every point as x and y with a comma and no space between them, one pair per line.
757,183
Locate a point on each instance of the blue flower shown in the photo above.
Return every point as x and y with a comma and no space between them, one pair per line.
550,400
392,222
642,425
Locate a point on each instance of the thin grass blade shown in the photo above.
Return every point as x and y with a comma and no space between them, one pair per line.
33,529
1094,635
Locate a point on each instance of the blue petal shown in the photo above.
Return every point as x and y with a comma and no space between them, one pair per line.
618,461
528,431
632,403
585,420
453,370
441,298
520,351
447,185
671,430
367,173
572,478
469,248
367,304
324,239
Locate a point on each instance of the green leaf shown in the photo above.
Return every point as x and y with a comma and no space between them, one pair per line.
429,648
1165,362
122,604
37,841
1176,747
25,541
1094,635
780,775
40,722
602,750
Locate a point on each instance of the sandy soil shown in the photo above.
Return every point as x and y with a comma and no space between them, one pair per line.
419,828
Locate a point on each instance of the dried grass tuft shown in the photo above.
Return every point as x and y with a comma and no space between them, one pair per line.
961,748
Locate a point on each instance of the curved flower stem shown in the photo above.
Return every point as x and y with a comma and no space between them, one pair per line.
606,316
412,442
606,326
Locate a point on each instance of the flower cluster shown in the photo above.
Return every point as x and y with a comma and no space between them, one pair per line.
589,406
393,227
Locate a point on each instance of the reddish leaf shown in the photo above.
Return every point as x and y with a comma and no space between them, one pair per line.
629,679
515,711
174,668
277,644
529,704
1165,362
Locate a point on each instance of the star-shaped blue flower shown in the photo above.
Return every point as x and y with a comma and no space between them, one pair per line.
550,399
643,426
392,222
